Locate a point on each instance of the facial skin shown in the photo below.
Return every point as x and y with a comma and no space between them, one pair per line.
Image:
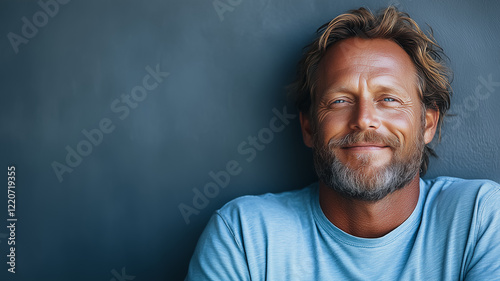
369,126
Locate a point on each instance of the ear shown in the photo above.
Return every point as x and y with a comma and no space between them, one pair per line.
305,125
431,121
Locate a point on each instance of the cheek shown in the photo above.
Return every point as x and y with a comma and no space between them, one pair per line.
331,124
405,123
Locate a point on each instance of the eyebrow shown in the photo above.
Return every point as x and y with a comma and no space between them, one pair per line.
377,88
337,89
394,89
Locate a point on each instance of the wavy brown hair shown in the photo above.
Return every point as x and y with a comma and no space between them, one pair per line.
434,77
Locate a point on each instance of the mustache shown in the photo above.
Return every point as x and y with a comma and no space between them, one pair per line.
365,136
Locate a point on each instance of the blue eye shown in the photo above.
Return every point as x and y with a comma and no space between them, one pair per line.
339,101
389,99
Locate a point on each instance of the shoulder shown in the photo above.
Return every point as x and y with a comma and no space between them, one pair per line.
269,212
449,194
451,187
460,223
268,204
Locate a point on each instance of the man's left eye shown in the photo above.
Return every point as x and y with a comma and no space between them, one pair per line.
389,99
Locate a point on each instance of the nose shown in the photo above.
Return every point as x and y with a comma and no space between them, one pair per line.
365,116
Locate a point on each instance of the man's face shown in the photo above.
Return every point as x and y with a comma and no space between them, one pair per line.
369,127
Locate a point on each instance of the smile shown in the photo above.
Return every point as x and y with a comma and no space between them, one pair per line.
359,147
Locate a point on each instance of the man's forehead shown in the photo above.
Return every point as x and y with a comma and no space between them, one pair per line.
380,60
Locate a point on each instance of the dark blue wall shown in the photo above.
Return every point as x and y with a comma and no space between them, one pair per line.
224,66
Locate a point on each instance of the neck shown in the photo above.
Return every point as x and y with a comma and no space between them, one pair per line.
369,219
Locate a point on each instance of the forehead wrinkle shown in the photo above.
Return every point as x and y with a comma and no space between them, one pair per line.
387,82
375,78
353,67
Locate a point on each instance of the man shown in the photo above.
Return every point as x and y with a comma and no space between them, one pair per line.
372,92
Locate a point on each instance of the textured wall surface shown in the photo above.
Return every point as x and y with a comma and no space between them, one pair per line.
117,114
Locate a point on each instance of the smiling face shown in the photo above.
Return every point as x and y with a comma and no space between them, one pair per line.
369,127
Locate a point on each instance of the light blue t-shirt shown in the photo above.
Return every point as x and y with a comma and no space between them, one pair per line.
453,234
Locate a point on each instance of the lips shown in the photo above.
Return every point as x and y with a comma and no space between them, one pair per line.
366,146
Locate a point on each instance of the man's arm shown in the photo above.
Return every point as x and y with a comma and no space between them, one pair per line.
485,262
218,255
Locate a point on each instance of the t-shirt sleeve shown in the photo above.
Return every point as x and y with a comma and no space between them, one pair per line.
485,262
218,254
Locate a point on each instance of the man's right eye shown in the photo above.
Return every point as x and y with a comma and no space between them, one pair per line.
338,101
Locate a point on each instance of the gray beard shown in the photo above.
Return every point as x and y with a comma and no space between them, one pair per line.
367,183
